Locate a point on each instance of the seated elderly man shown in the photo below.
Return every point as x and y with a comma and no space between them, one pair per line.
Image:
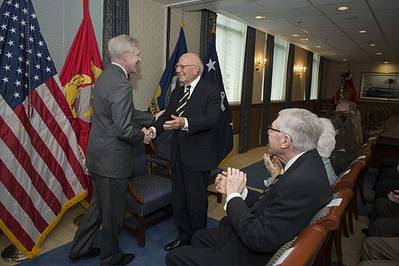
257,224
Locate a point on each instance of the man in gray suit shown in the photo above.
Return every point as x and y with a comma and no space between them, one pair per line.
113,134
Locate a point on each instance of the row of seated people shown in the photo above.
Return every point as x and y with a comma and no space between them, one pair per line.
381,246
250,233
257,224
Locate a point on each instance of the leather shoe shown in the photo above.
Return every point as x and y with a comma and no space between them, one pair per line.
92,253
176,244
126,259
365,231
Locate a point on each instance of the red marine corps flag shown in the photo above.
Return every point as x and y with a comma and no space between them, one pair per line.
82,67
41,173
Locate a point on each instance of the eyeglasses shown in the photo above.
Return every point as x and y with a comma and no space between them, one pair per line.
270,128
183,66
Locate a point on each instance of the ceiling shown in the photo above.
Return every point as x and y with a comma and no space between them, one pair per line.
332,33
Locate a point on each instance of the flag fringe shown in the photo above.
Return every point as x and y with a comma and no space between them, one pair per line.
36,249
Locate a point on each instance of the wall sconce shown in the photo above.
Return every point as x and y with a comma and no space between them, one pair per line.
260,63
299,70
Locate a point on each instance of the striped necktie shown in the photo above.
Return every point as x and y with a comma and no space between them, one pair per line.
183,101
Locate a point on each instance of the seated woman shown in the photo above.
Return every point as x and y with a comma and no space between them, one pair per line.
325,146
345,150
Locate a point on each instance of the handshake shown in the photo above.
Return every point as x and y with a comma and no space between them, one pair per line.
148,135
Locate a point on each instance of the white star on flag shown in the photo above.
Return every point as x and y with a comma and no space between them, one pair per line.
211,65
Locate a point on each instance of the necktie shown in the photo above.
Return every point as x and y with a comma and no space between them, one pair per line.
183,101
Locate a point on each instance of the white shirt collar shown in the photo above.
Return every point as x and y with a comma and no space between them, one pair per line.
193,84
124,70
292,160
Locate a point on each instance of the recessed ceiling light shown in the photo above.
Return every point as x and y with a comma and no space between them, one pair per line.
386,62
378,53
344,59
260,17
295,35
318,46
362,31
343,8
372,44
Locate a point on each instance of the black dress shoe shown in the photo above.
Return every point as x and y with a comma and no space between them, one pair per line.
365,231
126,259
176,244
92,253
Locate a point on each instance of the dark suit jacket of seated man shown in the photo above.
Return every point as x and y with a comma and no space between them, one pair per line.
255,228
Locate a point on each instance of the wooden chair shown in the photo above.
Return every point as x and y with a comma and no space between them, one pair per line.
150,194
304,249
330,218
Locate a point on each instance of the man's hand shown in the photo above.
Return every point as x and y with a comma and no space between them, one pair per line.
272,164
177,122
147,135
235,181
394,196
220,182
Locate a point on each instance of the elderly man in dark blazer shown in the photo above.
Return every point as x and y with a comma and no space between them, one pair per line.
113,134
192,114
257,224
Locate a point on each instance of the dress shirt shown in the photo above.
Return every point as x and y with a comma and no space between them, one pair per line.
185,127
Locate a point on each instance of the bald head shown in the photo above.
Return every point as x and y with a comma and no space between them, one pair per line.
189,68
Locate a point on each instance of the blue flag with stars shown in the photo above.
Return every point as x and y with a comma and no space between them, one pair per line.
224,132
168,80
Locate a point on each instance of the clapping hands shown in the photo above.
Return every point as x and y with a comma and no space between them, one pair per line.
273,164
231,181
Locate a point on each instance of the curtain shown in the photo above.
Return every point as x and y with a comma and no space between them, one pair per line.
115,22
290,72
246,93
308,86
208,27
267,89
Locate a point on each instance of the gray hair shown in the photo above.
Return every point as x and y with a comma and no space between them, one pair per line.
302,126
120,44
326,142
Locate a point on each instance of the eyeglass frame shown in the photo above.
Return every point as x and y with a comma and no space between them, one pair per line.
270,127
183,66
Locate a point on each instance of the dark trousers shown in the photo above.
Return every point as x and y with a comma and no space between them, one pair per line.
190,200
216,246
384,218
107,208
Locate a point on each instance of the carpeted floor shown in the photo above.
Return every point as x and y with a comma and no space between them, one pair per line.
152,254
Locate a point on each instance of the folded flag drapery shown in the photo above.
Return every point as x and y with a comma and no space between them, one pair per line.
168,80
83,65
224,131
41,170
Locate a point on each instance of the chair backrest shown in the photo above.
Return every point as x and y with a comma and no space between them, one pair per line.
305,248
140,160
162,145
329,217
348,178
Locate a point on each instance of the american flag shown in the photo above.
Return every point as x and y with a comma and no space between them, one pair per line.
41,169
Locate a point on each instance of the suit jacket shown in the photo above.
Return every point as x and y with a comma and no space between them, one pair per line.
197,145
266,221
114,130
